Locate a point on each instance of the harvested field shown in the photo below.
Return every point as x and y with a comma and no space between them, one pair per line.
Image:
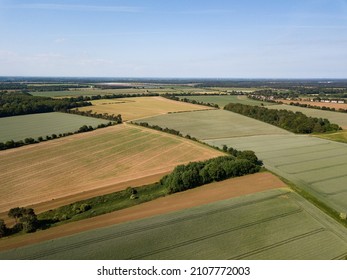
199,196
319,104
316,165
213,124
333,117
88,161
223,100
36,125
140,107
281,226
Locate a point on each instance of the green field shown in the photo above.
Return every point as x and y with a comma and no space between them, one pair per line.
223,100
276,224
316,165
333,117
213,124
340,136
35,125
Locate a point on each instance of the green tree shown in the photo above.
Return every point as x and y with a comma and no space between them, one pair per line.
3,228
15,213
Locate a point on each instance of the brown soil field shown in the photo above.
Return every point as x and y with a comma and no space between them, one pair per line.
89,161
141,107
319,104
199,196
55,203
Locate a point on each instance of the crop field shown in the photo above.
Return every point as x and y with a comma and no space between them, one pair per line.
216,191
140,107
320,104
88,161
340,136
138,90
275,224
333,117
319,166
36,125
223,100
214,124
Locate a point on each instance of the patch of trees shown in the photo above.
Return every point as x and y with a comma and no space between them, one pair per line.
19,103
266,94
25,220
29,140
13,86
195,174
62,87
296,122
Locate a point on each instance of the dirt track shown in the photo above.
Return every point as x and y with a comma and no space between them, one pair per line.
199,196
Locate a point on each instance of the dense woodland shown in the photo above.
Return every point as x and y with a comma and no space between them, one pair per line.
296,122
19,103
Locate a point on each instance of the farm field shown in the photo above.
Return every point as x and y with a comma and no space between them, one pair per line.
35,125
87,92
140,107
223,100
282,226
88,161
141,89
320,104
316,165
333,117
340,136
209,193
214,124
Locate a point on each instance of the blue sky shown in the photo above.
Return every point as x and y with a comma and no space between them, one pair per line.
189,38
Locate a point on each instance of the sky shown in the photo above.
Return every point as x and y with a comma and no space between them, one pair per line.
177,38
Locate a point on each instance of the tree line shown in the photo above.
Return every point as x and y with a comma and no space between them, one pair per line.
29,140
19,103
192,101
296,122
324,108
90,113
